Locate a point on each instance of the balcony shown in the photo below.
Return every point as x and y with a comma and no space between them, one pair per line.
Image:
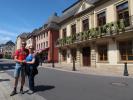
109,29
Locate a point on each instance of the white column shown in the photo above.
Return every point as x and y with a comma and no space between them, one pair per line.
79,56
110,14
131,6
93,55
112,52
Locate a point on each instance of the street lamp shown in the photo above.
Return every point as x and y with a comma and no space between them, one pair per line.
73,58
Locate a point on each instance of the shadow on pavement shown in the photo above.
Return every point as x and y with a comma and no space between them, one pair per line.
26,91
43,88
7,66
1,80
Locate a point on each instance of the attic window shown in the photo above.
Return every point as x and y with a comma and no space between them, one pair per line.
83,6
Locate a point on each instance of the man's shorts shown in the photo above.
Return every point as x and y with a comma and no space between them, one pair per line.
19,69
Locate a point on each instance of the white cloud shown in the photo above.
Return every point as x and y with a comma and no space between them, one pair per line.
4,39
7,33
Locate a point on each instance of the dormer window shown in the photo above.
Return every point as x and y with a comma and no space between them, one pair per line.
83,6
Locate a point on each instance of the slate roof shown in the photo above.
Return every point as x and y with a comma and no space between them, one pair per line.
2,45
53,18
92,1
53,26
23,35
52,23
10,43
69,14
74,10
35,31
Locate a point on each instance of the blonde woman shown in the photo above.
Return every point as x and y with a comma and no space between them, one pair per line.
30,60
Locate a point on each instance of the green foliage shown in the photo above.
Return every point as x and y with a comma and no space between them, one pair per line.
105,30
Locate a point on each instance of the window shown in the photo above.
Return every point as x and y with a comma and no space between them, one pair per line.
46,43
83,6
123,13
101,19
41,45
64,33
73,29
126,50
85,24
37,46
44,35
102,53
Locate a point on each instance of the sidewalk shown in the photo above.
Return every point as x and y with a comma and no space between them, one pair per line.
90,70
6,86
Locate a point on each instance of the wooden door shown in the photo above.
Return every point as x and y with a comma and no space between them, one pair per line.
86,56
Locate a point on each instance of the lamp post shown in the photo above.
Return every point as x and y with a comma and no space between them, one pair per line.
73,58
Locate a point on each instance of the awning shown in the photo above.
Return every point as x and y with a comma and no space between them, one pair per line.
40,50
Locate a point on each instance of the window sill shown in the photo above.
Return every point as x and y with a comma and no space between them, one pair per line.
102,62
128,62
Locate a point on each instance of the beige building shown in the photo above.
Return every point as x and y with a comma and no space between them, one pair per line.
97,33
20,38
8,49
31,41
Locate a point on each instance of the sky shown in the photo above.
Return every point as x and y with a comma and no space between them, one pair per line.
18,16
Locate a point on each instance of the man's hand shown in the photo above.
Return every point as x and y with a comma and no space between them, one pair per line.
24,61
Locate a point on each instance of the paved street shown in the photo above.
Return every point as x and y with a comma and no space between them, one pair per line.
54,84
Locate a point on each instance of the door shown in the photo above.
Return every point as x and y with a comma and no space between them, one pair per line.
86,56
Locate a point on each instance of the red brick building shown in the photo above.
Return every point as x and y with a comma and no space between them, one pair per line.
46,38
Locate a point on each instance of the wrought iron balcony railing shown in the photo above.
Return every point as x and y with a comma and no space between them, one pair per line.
108,29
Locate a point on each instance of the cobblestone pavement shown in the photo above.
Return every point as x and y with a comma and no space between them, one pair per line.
6,86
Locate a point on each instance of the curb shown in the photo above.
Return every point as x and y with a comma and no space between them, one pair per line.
79,72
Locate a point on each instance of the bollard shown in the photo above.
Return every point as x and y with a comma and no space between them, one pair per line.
125,69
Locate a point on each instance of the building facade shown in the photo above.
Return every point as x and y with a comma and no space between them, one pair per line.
31,41
46,38
7,50
1,50
20,38
97,33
